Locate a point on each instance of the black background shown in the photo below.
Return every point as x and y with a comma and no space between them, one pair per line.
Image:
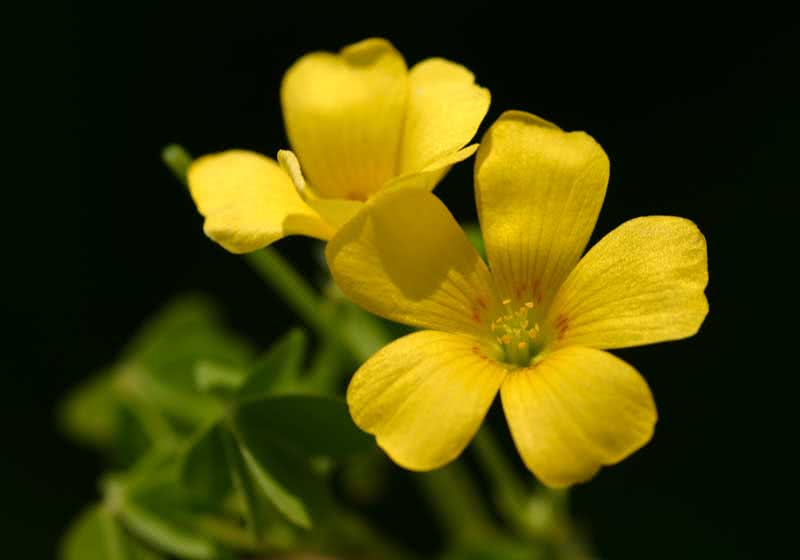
696,113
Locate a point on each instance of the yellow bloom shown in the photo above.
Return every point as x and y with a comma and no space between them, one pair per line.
360,122
534,327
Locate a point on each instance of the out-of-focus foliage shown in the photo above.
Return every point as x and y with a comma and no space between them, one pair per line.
151,393
219,449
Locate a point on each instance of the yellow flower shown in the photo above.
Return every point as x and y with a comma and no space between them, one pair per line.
534,327
360,122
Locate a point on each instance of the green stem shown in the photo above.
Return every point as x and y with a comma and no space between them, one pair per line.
326,370
456,502
508,490
284,279
539,514
353,330
178,160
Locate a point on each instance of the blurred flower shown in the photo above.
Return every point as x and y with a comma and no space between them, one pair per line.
360,122
536,326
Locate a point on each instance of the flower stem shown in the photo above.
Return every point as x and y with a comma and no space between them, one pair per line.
510,493
313,308
455,500
284,279
330,365
178,159
540,514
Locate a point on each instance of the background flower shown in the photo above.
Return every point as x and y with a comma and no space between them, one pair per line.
360,122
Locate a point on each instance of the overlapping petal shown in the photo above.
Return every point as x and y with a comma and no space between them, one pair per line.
404,257
539,191
445,108
344,115
575,411
424,396
642,283
248,201
429,176
334,211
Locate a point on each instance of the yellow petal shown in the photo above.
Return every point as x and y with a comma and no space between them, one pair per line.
344,116
539,191
445,108
575,411
431,174
424,396
404,257
334,211
642,283
248,201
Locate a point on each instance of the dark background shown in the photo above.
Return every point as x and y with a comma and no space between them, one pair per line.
696,113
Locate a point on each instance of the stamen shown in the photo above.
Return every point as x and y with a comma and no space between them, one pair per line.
288,162
518,342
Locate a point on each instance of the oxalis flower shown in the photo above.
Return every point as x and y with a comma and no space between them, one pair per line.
534,325
360,122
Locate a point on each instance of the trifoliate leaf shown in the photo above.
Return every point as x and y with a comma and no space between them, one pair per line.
312,425
204,468
284,478
246,487
278,368
160,512
90,412
96,535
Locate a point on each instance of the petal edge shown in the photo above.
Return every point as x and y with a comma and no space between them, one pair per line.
248,201
642,283
575,411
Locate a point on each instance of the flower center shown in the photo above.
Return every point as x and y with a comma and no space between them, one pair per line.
518,335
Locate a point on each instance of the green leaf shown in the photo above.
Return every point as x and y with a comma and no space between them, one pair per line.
218,379
90,413
152,504
278,436
160,513
246,487
278,368
312,425
284,478
213,465
95,535
160,364
150,395
186,406
95,414
204,469
183,313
